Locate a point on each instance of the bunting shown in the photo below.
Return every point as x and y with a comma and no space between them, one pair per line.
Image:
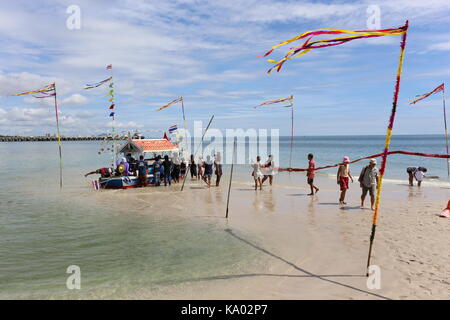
112,106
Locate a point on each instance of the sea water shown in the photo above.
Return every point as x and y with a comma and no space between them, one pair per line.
122,247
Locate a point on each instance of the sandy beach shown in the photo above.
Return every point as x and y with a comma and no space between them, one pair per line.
309,247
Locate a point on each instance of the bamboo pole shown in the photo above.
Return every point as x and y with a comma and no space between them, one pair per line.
292,131
198,147
59,139
184,122
387,144
231,178
446,133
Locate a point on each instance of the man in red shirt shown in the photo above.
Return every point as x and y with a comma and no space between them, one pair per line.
310,174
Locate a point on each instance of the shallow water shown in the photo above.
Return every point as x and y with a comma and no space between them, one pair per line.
124,241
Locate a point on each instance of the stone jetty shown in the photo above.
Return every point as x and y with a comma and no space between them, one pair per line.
54,138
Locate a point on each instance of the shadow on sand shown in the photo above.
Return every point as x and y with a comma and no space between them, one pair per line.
307,274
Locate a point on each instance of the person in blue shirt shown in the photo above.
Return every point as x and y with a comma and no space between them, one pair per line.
157,171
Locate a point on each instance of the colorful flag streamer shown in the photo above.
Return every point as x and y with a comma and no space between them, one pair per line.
426,95
170,103
46,92
308,46
423,96
173,128
180,99
46,89
98,84
289,99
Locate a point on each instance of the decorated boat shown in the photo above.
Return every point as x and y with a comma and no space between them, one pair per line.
149,148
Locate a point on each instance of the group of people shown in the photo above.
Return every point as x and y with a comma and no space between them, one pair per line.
165,170
368,178
203,169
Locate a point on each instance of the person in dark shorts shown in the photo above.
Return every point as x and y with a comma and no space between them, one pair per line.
167,170
368,180
411,171
208,165
183,168
157,171
142,168
176,168
193,167
310,174
218,166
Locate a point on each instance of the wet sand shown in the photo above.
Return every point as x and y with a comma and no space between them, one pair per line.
310,247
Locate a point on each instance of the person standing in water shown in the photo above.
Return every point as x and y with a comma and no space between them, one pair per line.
167,164
142,171
310,174
218,167
343,176
176,168
157,171
208,165
270,168
183,168
257,174
419,175
200,168
193,167
368,180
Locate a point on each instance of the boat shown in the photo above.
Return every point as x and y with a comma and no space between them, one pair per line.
150,148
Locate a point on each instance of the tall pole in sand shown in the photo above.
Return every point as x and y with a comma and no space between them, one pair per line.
292,131
387,144
59,139
446,134
231,178
198,147
184,123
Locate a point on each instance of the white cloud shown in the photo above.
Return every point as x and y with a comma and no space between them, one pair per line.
74,99
441,46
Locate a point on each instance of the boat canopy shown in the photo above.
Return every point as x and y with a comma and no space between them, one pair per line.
143,146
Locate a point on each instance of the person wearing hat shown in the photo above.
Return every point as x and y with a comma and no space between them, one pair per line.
419,174
368,180
343,176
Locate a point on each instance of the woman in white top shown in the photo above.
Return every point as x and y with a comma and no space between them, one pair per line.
419,174
343,176
257,174
270,170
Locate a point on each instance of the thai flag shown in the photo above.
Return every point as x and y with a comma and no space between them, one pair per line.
173,128
95,184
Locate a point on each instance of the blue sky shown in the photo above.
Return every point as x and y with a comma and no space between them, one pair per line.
207,52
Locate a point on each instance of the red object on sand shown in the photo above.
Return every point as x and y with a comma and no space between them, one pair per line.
446,212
